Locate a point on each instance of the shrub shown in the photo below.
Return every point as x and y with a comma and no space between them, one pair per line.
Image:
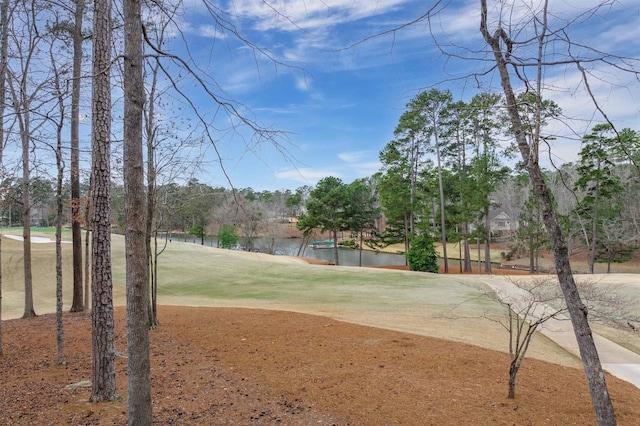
348,243
228,236
422,255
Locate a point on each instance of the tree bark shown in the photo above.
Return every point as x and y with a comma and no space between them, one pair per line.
76,232
87,254
21,102
26,219
60,358
137,256
532,254
149,113
594,229
513,371
578,311
336,256
103,344
4,24
487,243
467,248
443,218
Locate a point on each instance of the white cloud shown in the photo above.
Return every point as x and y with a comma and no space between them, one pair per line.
361,163
610,87
305,175
294,15
211,31
565,87
367,169
303,83
355,156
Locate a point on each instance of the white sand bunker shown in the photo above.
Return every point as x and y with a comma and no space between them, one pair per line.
36,240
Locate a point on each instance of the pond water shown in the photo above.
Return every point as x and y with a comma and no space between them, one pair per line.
291,246
346,256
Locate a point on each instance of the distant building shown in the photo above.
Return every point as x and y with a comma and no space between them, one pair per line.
500,223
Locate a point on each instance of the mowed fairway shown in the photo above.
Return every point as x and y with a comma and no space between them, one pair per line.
452,307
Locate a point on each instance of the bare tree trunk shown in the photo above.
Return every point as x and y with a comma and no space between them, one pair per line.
26,226
407,240
21,97
137,256
22,110
152,267
103,344
467,256
60,358
443,218
578,312
513,372
149,114
87,254
467,249
360,251
303,243
487,243
154,279
76,232
532,254
594,231
537,251
4,24
415,161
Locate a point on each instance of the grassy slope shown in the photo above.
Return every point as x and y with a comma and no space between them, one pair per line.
204,273
436,305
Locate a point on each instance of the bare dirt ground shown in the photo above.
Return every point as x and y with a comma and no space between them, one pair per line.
231,366
228,366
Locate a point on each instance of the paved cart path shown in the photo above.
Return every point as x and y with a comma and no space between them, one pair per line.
615,359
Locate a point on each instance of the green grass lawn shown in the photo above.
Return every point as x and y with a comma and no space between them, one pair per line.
196,275
452,307
189,270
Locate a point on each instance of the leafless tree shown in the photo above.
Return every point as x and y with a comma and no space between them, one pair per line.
60,93
238,116
617,236
528,308
4,34
535,302
87,248
71,26
30,104
251,218
514,58
151,134
165,153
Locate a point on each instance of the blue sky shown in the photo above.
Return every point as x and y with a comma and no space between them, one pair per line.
340,105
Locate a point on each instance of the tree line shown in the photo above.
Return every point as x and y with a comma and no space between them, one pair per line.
595,196
452,164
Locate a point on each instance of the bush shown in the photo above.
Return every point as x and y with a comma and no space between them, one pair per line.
422,255
228,236
348,243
